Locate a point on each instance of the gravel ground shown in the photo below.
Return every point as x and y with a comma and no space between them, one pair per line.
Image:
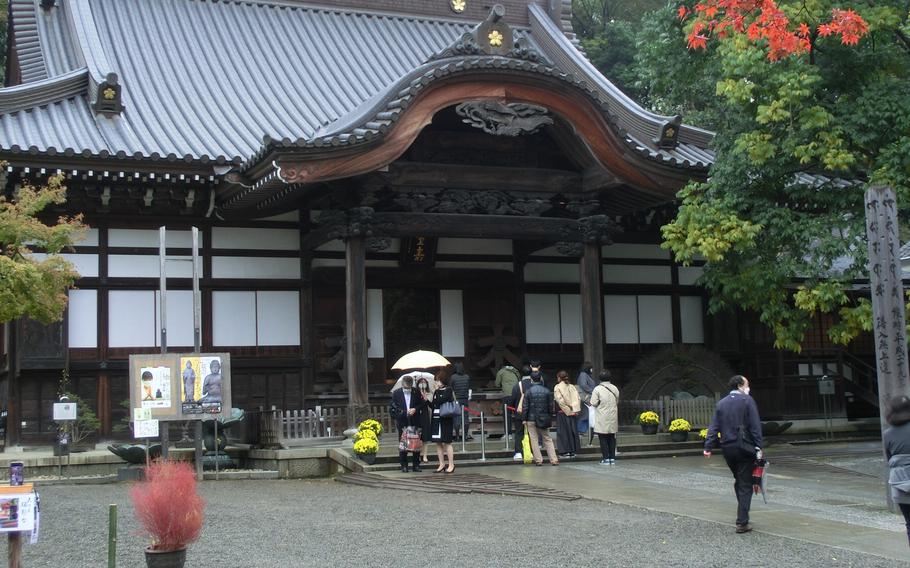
324,523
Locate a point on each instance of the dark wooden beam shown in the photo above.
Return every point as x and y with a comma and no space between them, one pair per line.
592,318
477,226
459,176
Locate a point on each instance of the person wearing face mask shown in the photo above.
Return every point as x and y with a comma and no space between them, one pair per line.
736,420
406,401
425,416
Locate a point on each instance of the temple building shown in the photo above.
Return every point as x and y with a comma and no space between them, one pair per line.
369,177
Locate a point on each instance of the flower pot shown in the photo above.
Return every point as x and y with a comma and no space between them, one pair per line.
679,436
368,459
649,429
165,558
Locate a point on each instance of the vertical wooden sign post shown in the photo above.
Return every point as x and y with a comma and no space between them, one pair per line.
888,304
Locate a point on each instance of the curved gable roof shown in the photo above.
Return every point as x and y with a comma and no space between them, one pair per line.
206,80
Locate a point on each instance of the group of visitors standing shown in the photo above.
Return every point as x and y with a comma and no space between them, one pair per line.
420,405
575,406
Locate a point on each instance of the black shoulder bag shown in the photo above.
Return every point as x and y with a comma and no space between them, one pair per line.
744,438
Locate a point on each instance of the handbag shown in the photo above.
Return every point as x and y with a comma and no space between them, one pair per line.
526,455
744,439
521,401
447,409
410,440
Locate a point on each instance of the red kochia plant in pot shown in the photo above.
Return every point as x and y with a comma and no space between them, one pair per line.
170,510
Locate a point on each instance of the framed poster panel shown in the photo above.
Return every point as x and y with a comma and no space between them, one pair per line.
154,385
205,385
189,386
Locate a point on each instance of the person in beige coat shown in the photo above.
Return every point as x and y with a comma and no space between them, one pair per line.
569,401
605,400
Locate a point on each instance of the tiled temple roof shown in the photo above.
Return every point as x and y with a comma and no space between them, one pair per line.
210,81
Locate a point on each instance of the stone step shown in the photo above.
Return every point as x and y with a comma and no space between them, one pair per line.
389,455
461,460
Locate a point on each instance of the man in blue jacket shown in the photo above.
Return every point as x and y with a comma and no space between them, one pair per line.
735,417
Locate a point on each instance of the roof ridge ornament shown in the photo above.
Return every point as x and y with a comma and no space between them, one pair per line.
493,36
669,133
108,97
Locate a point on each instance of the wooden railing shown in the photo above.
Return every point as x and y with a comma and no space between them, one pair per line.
278,428
698,411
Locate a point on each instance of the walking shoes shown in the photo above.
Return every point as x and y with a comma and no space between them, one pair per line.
740,529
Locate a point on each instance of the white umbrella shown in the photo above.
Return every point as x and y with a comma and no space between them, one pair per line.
421,360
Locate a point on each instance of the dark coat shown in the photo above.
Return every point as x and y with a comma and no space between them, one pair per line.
538,406
400,412
461,383
732,411
524,385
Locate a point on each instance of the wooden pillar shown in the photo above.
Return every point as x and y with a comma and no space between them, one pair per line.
519,260
355,326
104,403
592,313
307,343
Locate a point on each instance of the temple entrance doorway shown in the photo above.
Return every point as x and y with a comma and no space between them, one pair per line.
411,321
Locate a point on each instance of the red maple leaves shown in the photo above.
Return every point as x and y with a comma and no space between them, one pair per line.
763,20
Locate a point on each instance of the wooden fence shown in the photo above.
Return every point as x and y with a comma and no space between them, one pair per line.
698,411
292,427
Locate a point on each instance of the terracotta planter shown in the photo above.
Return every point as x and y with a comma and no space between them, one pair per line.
679,436
368,459
165,558
649,429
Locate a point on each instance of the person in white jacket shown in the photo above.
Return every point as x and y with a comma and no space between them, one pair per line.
605,400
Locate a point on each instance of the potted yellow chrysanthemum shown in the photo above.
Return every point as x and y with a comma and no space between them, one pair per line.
679,430
649,421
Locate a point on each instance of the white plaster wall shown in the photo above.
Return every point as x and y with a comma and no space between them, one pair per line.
82,318
692,316
255,239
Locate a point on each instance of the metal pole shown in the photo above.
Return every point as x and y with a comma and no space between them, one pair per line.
197,434
197,296
507,433
217,448
162,286
197,342
462,430
162,311
483,442
112,536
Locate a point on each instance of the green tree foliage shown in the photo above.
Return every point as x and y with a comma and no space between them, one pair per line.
838,112
590,18
4,15
33,286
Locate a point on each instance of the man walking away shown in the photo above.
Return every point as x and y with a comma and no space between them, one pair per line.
461,386
736,419
537,411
